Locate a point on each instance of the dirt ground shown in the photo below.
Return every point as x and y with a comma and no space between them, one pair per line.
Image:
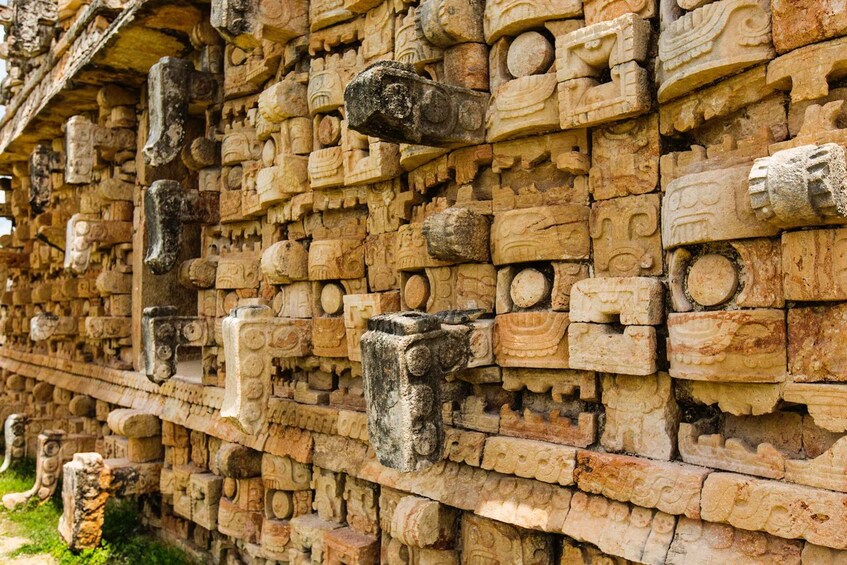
10,540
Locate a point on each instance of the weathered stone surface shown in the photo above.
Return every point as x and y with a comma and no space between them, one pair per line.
403,359
391,102
813,263
670,487
627,237
801,22
802,512
14,435
745,346
530,459
696,542
816,341
457,235
803,186
631,301
641,415
712,41
163,333
84,494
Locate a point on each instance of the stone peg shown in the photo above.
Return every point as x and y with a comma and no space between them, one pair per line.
388,100
167,206
163,332
459,235
172,84
802,186
404,357
42,162
246,24
134,423
14,432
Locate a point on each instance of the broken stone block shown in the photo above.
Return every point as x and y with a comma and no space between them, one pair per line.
172,85
457,235
390,101
204,492
252,337
800,23
625,156
85,487
617,528
802,186
163,332
404,356
345,546
737,33
641,415
742,346
729,453
812,264
420,522
285,262
167,206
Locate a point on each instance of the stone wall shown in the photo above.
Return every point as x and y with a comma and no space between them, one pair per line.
436,281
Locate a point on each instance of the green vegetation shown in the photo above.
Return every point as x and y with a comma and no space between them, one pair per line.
124,538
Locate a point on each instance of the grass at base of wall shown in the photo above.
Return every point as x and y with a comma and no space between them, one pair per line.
124,538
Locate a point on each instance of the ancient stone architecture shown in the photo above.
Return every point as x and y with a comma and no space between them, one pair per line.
431,281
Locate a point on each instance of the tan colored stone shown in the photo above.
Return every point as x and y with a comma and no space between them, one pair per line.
626,236
816,344
620,529
603,348
806,71
641,415
697,542
801,512
510,17
485,540
540,234
729,453
631,301
712,280
738,35
531,339
530,459
743,346
624,155
813,264
673,488
801,22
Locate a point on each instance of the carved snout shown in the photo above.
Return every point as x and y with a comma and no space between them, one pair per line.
163,205
390,101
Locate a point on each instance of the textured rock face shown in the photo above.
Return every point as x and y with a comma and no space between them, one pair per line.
431,281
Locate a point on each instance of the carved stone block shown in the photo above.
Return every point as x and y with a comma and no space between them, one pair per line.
631,301
511,17
641,415
14,434
743,346
162,333
389,101
549,233
403,359
811,514
601,347
625,157
485,540
82,139
806,72
816,349
172,84
711,42
697,542
85,233
710,206
252,337
532,339
549,463
420,522
626,236
358,309
331,259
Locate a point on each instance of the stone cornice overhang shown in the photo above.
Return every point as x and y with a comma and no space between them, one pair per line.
106,43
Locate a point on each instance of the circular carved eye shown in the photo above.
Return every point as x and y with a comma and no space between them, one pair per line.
416,292
426,439
419,360
332,299
435,106
712,280
396,101
528,288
